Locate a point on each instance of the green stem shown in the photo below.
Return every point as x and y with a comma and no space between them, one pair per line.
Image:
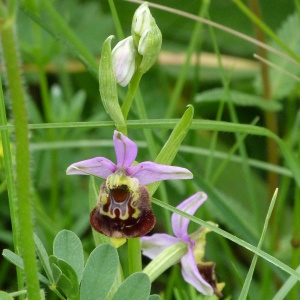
23,204
115,16
10,185
132,89
134,255
165,259
296,240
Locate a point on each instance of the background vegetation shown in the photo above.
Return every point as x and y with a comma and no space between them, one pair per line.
243,144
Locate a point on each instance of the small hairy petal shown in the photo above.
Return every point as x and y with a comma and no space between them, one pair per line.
179,223
191,274
148,172
155,244
98,166
126,150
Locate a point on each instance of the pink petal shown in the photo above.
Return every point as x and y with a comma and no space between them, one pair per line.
126,150
180,224
97,166
157,243
148,172
191,274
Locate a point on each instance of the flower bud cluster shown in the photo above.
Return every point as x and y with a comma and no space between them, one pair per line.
139,51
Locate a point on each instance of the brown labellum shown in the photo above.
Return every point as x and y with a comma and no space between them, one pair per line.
207,270
123,213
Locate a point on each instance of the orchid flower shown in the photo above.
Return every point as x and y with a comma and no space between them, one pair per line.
124,207
166,250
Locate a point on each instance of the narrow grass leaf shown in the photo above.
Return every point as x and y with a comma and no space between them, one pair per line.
171,147
247,282
238,98
287,286
136,286
99,273
222,126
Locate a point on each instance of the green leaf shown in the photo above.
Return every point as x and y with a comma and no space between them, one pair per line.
108,86
238,98
43,256
56,271
281,84
18,262
62,281
67,247
170,149
5,296
247,283
286,287
136,286
154,297
99,273
67,279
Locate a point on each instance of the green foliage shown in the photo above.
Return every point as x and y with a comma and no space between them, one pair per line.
282,84
104,258
60,44
136,286
108,86
66,272
5,296
238,98
67,247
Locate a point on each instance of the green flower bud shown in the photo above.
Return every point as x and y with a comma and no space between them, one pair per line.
140,22
146,36
123,59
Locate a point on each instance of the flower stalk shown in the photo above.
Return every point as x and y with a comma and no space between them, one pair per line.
23,202
165,260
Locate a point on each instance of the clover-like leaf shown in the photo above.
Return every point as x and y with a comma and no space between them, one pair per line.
67,247
99,273
136,286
